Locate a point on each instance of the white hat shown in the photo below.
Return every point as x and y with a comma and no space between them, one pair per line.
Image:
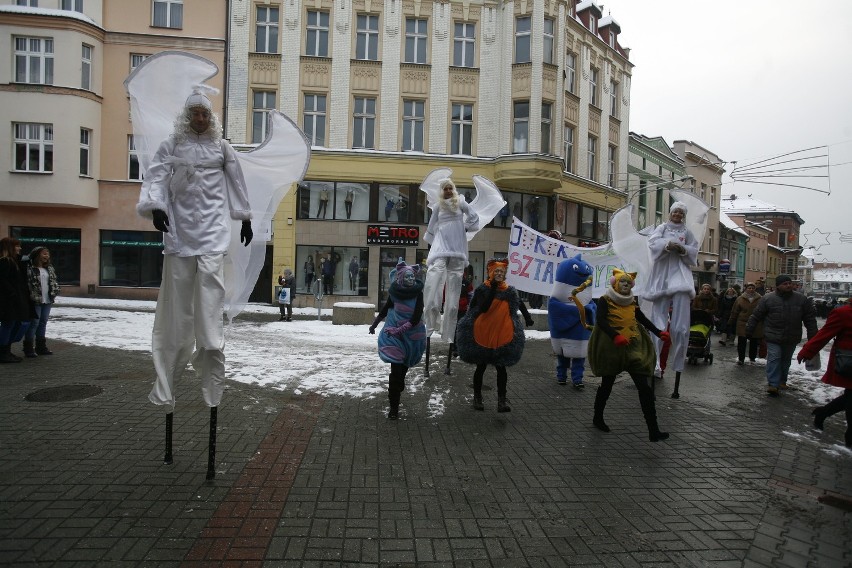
678,205
199,98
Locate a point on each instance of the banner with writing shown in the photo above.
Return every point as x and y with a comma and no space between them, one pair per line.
534,257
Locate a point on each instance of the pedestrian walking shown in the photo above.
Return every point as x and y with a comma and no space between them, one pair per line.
740,312
838,372
287,281
16,310
783,313
723,314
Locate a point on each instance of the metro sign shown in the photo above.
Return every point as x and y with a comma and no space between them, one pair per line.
393,235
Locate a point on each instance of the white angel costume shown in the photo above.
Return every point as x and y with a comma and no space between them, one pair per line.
204,186
453,223
665,276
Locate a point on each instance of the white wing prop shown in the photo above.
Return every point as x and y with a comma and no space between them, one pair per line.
487,203
270,171
632,246
696,216
158,90
430,187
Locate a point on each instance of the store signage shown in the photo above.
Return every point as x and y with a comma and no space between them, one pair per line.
393,235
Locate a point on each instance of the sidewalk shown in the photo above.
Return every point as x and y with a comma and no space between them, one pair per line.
304,480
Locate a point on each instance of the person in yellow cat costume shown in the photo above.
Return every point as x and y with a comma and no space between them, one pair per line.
620,343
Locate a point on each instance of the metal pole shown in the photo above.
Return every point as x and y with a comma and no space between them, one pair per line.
167,458
211,453
676,394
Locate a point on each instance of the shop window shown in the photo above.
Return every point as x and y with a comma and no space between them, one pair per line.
131,258
342,271
64,246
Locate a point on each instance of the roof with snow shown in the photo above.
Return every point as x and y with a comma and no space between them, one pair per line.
48,12
832,275
729,224
752,206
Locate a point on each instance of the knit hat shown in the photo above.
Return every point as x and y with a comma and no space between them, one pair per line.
398,274
678,205
781,278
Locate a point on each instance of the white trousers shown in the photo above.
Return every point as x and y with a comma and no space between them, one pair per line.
444,271
189,317
678,329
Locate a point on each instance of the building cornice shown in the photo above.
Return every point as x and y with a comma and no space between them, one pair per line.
52,22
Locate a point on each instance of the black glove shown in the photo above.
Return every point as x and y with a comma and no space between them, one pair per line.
529,322
161,220
246,233
373,329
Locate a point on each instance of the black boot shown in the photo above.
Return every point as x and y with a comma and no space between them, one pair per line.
822,412
41,346
393,411
600,403
503,405
646,400
29,350
6,355
477,402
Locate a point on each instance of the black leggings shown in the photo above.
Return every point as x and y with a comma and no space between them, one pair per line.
501,380
753,344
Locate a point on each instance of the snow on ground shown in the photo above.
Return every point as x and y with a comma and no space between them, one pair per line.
305,355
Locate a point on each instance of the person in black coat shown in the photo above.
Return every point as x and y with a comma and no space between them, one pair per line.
723,314
16,310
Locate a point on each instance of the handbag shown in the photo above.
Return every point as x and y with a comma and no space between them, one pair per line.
284,296
843,362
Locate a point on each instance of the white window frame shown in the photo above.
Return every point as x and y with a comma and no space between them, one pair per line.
612,158
133,157
364,123
520,127
261,103
523,39
593,24
546,127
548,41
86,67
591,153
461,130
416,40
568,148
413,125
30,3
33,136
33,52
316,36
613,99
136,59
266,32
71,5
593,86
367,37
464,44
85,152
712,196
571,72
173,13
314,117
612,39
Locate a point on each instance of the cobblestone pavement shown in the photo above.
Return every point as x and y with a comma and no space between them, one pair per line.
304,480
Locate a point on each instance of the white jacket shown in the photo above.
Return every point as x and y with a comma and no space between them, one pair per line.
670,270
199,184
447,232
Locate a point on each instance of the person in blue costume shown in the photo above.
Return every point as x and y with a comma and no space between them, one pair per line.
569,334
402,340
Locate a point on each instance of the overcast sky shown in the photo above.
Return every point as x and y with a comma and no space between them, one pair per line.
750,80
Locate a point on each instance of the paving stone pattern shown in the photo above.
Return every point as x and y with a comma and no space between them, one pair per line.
309,481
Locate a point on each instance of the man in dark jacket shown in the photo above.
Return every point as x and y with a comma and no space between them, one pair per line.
783,313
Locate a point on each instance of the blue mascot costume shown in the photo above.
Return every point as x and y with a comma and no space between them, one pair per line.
568,334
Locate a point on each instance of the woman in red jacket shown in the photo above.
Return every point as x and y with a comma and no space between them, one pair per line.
838,326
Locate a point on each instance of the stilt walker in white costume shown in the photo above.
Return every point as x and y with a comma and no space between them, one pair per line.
666,256
195,189
453,223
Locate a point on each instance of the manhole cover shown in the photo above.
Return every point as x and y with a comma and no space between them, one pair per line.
64,393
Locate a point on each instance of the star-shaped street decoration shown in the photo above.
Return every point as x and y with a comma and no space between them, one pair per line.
846,237
816,239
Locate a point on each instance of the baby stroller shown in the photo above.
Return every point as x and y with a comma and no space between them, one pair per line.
700,325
